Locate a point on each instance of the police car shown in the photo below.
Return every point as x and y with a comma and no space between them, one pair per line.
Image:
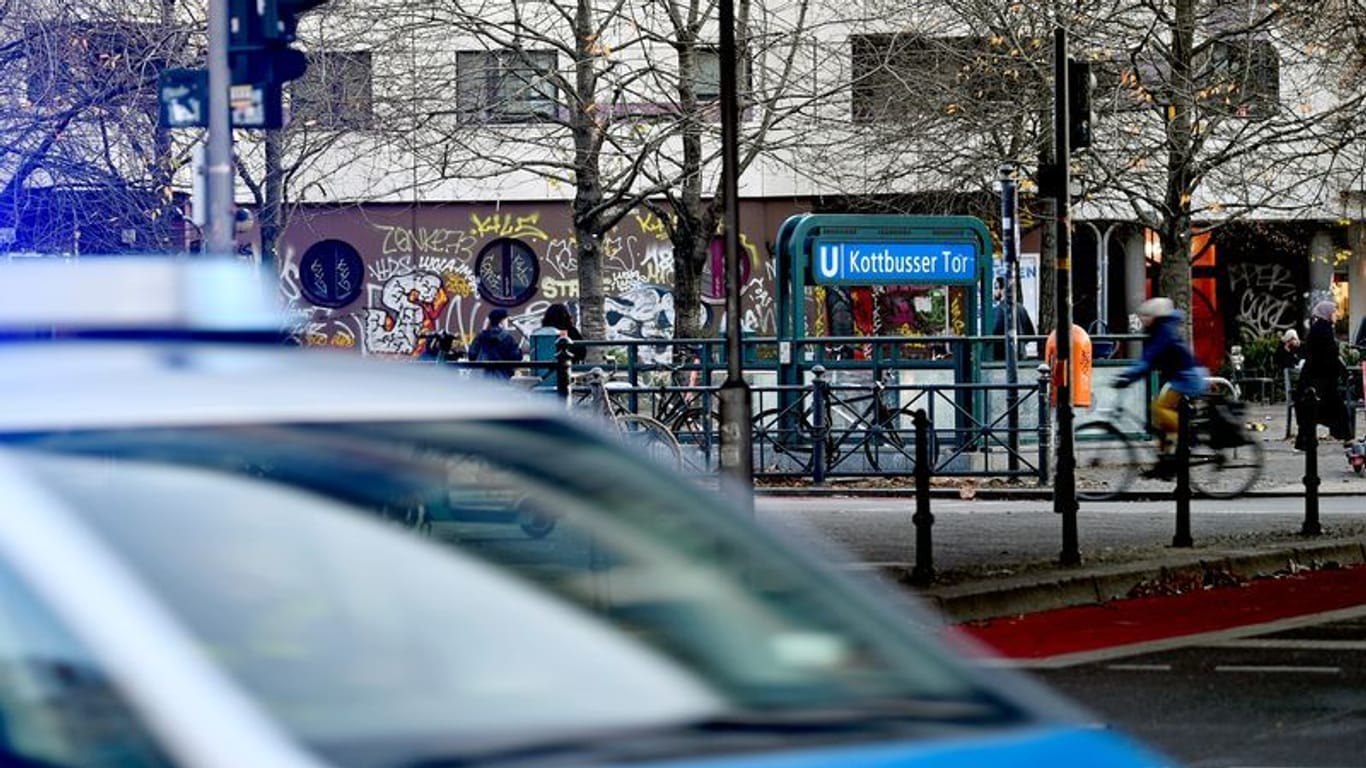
220,553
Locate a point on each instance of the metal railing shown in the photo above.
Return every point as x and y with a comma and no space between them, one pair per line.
851,416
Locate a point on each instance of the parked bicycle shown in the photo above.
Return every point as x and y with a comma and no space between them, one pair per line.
1224,463
852,421
684,403
592,392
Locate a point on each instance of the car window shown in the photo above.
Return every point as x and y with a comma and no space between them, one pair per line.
352,631
553,512
57,706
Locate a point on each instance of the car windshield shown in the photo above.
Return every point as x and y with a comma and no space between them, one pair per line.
582,590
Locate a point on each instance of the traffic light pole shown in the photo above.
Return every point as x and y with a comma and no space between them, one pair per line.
737,461
218,235
1065,482
217,171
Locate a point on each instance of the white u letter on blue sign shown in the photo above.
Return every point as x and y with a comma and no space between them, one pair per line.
830,259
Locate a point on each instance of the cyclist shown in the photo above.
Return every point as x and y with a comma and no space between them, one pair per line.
1166,352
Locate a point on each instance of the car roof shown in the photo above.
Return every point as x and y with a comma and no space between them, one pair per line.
46,385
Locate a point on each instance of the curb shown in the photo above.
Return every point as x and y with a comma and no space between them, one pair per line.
1013,596
1029,494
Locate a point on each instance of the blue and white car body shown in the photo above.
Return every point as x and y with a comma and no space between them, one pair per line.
244,555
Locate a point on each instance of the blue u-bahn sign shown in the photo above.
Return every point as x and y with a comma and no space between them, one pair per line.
841,262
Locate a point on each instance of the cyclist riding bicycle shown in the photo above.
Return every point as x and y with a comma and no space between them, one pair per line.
1166,352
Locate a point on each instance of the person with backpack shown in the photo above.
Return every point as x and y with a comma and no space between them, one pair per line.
1165,351
495,344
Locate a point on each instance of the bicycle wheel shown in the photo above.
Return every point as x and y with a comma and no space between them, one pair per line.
1226,473
1106,461
697,435
650,438
887,438
786,432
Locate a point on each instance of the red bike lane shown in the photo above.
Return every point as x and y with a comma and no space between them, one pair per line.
1145,619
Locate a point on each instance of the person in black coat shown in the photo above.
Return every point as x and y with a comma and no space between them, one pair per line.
1023,325
1289,354
1322,373
496,344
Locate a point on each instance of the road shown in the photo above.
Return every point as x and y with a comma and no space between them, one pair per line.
973,533
1291,696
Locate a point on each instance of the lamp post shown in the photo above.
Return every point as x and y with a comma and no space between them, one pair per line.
737,461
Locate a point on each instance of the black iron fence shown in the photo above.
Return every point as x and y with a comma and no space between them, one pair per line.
851,414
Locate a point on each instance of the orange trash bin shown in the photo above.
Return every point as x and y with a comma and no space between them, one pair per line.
1081,366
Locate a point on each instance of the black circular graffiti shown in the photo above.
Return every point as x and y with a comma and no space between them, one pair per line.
331,274
507,272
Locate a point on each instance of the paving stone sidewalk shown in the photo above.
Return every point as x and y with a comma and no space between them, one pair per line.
1046,584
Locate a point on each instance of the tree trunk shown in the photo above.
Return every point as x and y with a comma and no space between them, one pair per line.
272,210
688,286
1175,276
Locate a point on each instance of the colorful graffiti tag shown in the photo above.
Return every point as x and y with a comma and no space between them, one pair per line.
421,281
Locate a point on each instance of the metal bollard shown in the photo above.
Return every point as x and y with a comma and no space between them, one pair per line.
818,425
1183,475
1309,432
923,570
562,360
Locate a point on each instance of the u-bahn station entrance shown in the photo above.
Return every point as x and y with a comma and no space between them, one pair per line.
854,396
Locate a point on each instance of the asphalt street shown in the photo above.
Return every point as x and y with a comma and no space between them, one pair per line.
973,534
1290,695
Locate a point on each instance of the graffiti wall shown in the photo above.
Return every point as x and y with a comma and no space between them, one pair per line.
384,280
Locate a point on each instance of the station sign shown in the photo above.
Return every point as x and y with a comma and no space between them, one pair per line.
844,262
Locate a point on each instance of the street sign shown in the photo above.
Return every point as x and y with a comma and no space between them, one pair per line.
184,98
183,95
841,262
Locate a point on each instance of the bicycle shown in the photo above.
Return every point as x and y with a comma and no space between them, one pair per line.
1223,464
682,402
650,436
849,424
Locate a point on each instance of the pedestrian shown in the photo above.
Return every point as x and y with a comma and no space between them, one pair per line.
1288,355
1178,373
1321,378
556,323
496,344
1023,325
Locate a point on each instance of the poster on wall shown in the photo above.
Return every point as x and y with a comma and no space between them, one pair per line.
1029,283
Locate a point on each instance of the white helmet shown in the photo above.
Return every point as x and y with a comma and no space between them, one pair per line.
1159,306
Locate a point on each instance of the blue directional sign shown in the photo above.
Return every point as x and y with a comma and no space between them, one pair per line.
840,262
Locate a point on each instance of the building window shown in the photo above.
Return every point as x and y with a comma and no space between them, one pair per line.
901,76
331,274
506,86
335,92
1242,78
507,271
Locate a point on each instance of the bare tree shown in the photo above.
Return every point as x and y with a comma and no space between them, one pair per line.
612,102
1209,111
78,121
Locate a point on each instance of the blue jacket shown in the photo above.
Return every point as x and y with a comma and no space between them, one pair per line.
1167,353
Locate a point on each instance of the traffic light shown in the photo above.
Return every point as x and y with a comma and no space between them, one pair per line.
281,18
1081,118
260,36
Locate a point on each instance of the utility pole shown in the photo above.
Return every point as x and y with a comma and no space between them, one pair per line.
1065,482
218,235
737,460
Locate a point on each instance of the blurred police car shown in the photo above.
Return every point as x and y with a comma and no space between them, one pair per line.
219,554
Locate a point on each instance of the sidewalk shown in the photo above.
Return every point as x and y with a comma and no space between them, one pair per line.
1044,585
